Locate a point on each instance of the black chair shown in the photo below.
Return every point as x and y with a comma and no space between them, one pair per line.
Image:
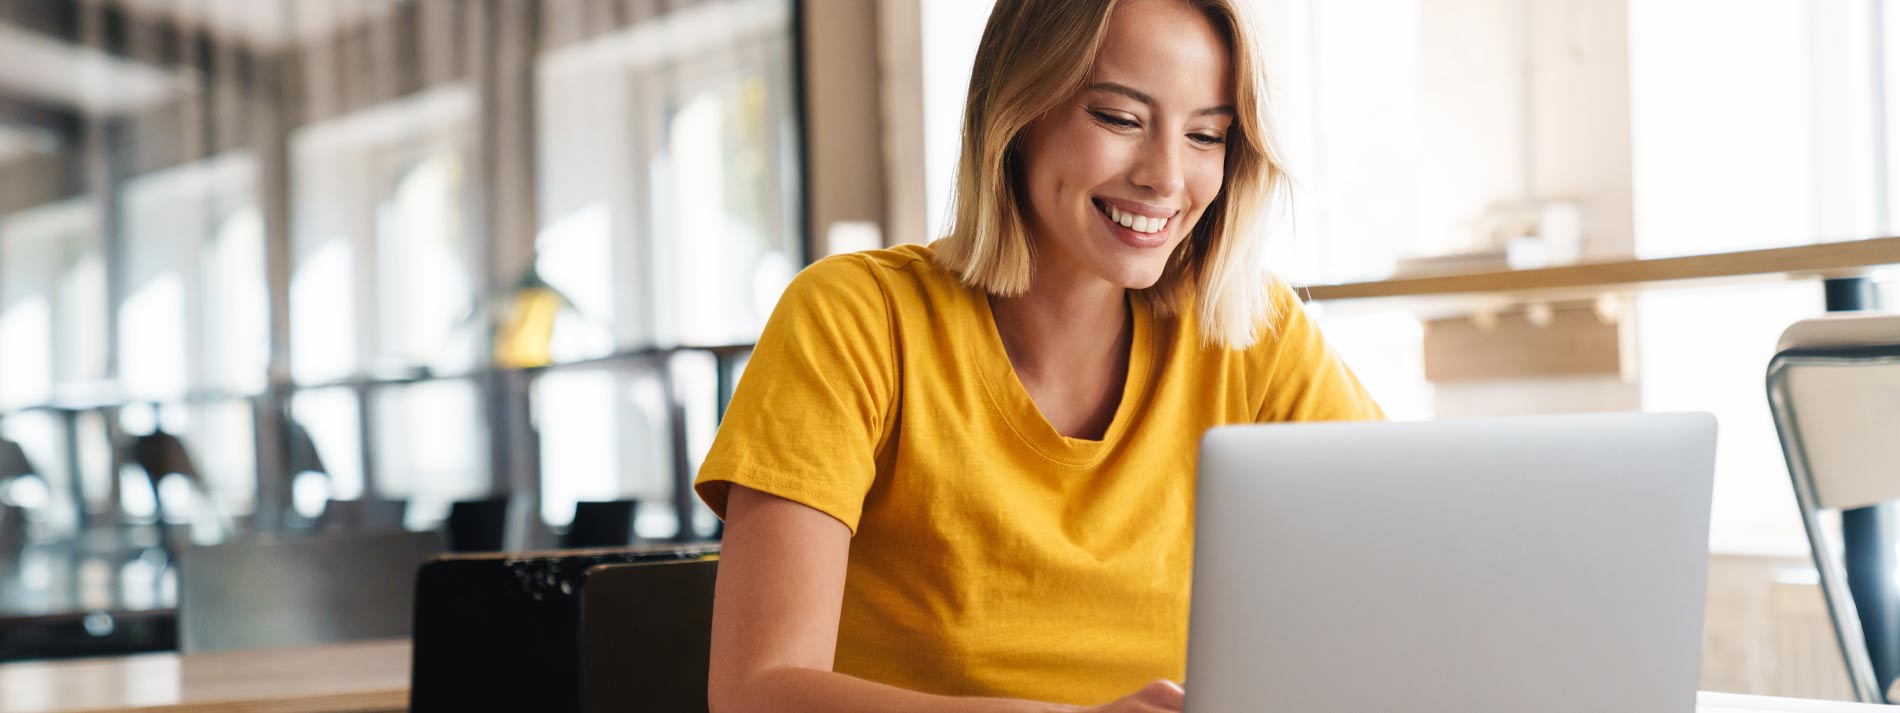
477,525
606,523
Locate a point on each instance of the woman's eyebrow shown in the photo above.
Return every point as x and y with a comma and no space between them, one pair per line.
1138,95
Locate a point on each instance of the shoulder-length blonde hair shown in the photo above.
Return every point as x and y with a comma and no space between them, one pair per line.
1034,55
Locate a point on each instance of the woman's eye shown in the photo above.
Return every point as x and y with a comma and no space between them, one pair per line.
1115,121
1207,139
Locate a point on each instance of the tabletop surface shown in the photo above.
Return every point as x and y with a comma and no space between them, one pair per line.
368,677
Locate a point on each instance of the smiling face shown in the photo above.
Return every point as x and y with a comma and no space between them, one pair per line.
1119,174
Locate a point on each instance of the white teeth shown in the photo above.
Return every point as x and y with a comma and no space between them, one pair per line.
1139,224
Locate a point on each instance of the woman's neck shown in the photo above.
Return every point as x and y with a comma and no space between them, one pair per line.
1062,322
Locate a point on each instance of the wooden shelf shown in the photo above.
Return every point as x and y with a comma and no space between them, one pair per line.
1820,260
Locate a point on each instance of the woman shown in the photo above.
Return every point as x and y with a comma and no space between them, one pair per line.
960,477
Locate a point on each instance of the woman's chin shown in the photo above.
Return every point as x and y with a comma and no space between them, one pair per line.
1136,276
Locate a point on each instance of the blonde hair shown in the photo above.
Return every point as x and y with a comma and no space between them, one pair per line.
1034,55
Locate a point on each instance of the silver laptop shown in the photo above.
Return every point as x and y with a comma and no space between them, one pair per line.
1551,564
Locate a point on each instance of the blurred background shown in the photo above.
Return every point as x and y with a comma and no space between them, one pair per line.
290,269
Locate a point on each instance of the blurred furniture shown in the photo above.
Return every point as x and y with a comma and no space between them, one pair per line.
364,514
366,677
89,597
646,636
1834,390
13,461
607,523
300,449
13,517
87,634
477,525
1590,280
255,594
160,454
13,532
502,631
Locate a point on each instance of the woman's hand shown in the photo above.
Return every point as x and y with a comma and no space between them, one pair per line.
1157,697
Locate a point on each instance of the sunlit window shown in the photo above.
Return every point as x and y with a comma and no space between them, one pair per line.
26,326
568,256
152,332
425,279
322,314
720,237
431,446
236,305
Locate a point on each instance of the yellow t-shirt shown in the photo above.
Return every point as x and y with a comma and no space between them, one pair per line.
991,555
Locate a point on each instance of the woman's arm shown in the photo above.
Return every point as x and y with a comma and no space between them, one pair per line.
775,623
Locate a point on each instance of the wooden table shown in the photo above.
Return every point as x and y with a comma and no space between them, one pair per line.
1844,258
368,677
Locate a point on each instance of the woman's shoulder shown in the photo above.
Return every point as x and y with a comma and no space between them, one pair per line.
898,276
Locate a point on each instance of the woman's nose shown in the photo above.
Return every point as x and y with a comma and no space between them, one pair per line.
1158,168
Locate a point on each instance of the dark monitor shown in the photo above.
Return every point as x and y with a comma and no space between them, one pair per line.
501,631
646,636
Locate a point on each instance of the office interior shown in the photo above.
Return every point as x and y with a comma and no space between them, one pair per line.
283,278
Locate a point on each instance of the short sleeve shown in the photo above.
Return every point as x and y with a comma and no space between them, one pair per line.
807,416
1306,380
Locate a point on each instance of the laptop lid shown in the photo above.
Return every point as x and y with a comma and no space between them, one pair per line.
646,636
501,631
1554,564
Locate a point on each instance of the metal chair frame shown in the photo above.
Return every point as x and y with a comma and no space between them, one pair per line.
1848,630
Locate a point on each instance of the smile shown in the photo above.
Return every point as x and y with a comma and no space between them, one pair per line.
1137,223
1136,230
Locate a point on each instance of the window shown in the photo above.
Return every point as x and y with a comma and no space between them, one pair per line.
193,253
425,280
381,265
236,305
669,207
431,446
52,301
382,282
